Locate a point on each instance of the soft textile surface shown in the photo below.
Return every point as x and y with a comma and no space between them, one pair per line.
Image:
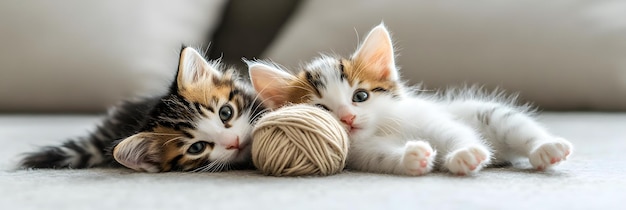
560,54
592,179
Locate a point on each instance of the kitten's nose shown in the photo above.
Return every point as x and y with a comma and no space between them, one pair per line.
348,119
233,144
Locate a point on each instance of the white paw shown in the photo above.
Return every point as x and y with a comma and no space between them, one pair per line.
550,154
418,158
467,160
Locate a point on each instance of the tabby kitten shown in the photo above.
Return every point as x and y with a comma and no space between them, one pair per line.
202,124
394,129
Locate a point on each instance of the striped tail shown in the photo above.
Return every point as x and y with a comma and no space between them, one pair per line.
78,153
94,150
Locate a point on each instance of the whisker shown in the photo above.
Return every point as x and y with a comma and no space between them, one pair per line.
299,87
390,128
172,139
162,134
207,166
268,98
256,107
214,166
255,116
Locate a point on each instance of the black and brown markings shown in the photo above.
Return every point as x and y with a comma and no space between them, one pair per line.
177,115
168,147
221,88
309,83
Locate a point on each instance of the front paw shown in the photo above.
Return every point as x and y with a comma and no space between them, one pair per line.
418,158
467,160
550,154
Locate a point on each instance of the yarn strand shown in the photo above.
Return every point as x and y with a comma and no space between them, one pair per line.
299,140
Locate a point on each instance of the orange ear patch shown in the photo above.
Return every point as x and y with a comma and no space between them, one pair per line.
204,93
363,73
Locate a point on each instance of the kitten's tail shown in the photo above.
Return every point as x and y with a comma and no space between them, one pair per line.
94,149
75,153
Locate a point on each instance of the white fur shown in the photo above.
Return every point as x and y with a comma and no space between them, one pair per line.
459,130
212,129
398,129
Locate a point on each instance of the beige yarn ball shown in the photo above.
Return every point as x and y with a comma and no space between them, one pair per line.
299,140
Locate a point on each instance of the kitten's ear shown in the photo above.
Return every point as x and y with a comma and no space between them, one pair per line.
377,52
193,68
134,153
270,83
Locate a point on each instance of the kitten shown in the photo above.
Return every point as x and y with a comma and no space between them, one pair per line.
202,124
396,130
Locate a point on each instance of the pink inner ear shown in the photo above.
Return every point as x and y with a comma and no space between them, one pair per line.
274,98
270,85
385,73
380,61
132,152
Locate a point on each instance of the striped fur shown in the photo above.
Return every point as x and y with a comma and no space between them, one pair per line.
155,134
89,151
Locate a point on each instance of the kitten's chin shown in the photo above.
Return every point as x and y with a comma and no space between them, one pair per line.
354,128
353,131
357,132
243,158
243,155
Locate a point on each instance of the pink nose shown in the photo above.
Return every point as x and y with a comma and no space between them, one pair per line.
233,144
348,119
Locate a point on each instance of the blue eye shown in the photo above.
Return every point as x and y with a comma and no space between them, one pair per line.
197,148
226,113
360,96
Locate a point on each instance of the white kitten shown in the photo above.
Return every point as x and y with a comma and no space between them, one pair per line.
396,130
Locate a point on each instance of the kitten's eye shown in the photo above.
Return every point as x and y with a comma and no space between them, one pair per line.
322,106
197,148
360,96
226,112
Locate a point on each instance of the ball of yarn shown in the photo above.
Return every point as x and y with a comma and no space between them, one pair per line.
299,140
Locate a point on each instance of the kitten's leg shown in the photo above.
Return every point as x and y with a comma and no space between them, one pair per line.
466,151
516,132
549,153
418,157
383,155
466,160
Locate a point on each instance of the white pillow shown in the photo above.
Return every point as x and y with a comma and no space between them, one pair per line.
76,55
560,54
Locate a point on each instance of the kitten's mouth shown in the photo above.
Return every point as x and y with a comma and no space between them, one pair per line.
243,149
242,146
353,129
